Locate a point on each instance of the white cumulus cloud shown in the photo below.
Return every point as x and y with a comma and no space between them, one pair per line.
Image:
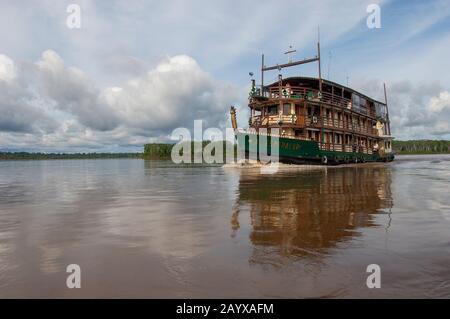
439,103
7,69
175,93
61,106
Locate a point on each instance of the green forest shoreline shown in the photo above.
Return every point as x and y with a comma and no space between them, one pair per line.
59,156
163,150
417,147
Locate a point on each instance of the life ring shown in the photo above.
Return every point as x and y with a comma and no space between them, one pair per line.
324,159
314,119
319,95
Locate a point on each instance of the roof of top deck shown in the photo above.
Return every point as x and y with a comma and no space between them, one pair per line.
303,78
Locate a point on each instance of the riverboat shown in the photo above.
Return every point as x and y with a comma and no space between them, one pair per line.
314,120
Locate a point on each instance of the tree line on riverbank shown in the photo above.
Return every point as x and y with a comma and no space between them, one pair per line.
421,147
161,150
46,156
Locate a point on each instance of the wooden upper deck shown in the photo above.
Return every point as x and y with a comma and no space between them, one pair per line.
299,89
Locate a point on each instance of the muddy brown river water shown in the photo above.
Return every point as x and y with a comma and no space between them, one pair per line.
155,229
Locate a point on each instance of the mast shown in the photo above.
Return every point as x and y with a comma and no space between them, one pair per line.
262,74
320,72
387,110
318,59
320,85
290,64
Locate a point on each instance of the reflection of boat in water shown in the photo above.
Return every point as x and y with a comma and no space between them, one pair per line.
308,212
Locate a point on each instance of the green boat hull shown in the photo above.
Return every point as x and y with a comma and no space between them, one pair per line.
302,151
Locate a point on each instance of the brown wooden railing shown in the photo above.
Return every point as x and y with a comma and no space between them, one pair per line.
341,124
253,131
291,119
259,120
345,148
304,93
298,92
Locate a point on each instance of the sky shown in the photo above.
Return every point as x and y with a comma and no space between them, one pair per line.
134,71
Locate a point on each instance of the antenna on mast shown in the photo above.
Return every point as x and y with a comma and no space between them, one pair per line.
262,74
290,53
329,64
291,63
318,58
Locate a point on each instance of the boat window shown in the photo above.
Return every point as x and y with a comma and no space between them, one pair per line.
355,100
326,88
273,110
362,102
286,109
380,110
347,94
